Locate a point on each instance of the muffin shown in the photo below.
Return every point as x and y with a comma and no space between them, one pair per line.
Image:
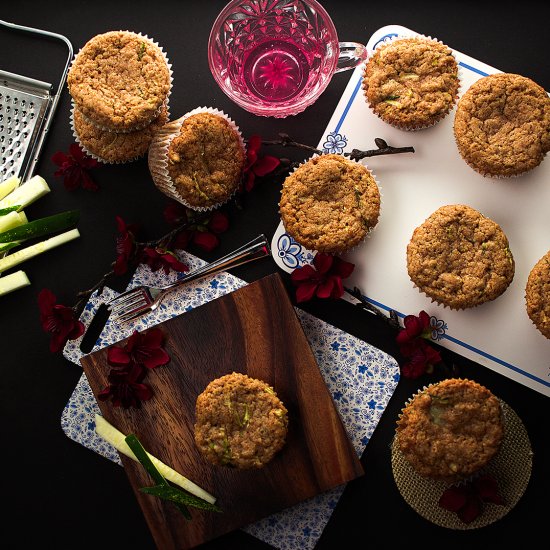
114,147
502,125
330,203
240,422
537,295
120,80
198,159
411,83
450,430
460,258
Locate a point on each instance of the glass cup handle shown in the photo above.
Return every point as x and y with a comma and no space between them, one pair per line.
351,55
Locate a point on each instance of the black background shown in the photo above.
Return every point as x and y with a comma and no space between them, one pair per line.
61,495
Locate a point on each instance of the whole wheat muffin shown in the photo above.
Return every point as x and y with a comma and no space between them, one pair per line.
114,147
502,125
329,204
198,159
460,258
120,80
537,295
411,83
450,430
240,422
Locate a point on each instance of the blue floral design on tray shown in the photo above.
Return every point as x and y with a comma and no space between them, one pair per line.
361,380
439,328
335,143
291,253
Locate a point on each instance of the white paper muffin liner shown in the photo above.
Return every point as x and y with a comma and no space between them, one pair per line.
411,128
370,232
94,155
158,111
158,156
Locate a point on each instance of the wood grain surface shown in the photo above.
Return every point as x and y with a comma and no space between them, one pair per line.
253,330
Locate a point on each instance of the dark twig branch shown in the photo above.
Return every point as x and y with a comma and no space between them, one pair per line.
392,320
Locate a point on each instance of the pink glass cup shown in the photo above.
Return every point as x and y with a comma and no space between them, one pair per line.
276,57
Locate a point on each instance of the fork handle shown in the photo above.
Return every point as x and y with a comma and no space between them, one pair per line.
255,249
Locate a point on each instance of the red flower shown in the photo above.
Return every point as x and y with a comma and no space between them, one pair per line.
157,258
422,358
142,348
60,321
125,245
257,166
415,327
467,499
413,345
74,168
203,234
126,387
322,279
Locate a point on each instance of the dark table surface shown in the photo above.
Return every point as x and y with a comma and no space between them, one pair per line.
59,494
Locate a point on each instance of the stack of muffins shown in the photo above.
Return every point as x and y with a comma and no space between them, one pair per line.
119,83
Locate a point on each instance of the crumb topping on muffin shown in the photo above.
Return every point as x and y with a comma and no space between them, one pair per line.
502,125
451,429
330,203
206,160
119,80
240,422
411,82
460,258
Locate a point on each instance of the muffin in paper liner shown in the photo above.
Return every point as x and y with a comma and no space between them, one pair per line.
395,85
317,235
450,430
516,112
158,159
100,120
114,147
435,258
537,295
510,468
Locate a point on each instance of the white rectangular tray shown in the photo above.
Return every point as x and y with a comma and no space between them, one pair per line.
498,334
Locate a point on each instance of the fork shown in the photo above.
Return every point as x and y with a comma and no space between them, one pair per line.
143,299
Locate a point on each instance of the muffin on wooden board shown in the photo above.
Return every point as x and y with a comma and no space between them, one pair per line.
198,159
330,203
411,83
451,429
114,147
537,295
460,258
240,422
502,125
120,80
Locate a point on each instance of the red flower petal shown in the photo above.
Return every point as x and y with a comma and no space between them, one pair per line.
341,268
153,338
205,240
323,262
117,356
325,288
59,158
487,489
303,273
305,292
470,510
155,358
453,498
265,165
219,222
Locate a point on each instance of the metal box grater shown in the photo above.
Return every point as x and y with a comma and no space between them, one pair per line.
27,107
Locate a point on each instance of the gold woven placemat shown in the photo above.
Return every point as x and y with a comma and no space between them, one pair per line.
511,468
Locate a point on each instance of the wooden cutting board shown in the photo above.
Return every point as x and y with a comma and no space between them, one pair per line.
253,330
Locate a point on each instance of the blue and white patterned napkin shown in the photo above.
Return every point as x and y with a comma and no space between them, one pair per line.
360,378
